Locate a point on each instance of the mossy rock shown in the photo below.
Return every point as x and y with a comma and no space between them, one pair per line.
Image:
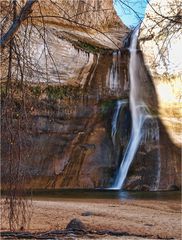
87,47
107,106
36,91
61,92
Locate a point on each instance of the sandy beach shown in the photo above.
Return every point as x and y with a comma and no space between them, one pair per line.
150,219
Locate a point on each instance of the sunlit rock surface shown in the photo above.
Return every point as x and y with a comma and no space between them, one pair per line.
63,46
160,41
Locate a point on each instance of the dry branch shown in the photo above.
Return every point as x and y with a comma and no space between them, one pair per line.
25,11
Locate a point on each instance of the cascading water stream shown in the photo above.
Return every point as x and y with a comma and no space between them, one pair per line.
138,112
119,105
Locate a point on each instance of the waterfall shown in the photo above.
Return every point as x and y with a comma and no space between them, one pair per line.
119,104
138,112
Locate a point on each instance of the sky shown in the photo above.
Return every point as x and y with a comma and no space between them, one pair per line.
130,11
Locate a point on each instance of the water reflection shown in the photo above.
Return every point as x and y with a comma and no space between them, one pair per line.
106,194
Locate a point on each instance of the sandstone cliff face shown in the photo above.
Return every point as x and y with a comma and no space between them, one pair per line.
75,75
160,41
70,143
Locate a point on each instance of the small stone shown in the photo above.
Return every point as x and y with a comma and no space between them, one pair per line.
148,225
76,224
87,213
22,228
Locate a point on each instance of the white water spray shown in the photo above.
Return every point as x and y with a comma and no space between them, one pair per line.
138,112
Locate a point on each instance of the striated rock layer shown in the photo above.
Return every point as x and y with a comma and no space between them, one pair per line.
75,32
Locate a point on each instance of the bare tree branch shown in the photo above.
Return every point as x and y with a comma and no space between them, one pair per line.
25,11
